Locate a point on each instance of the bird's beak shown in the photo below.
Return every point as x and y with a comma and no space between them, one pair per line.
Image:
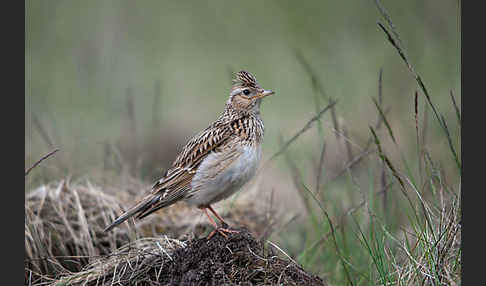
262,93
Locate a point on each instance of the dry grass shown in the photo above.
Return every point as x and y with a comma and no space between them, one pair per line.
64,224
128,263
433,254
64,228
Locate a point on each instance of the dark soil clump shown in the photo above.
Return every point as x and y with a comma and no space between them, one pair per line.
236,260
240,260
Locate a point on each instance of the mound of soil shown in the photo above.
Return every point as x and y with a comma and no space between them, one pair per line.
239,260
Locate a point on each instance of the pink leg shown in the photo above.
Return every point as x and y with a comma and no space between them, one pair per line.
217,215
218,229
210,218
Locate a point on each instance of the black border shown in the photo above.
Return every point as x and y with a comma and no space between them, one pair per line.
13,138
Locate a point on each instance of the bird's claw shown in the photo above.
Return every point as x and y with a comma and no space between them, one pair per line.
222,231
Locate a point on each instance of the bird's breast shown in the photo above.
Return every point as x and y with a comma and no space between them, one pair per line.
223,173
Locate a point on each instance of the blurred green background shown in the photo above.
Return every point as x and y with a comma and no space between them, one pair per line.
82,56
125,83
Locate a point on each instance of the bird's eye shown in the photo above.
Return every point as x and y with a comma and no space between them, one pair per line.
246,92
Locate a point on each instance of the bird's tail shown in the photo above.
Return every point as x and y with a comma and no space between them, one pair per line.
141,207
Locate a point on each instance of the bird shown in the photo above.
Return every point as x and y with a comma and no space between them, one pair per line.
215,163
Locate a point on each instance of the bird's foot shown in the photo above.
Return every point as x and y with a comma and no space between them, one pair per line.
222,231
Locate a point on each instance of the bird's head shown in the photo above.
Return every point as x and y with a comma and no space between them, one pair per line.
246,94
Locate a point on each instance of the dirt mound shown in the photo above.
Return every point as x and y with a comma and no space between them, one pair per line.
238,260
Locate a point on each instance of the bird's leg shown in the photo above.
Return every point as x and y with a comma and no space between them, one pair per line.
221,230
223,223
213,223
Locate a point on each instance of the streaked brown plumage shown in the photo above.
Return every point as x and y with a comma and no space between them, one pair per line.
217,161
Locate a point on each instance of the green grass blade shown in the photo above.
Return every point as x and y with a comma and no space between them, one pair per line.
387,124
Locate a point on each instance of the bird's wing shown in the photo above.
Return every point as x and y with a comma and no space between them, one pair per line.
202,144
177,181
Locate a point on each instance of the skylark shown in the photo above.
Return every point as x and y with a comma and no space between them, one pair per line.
216,162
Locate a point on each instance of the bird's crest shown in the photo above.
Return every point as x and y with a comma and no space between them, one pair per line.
245,79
